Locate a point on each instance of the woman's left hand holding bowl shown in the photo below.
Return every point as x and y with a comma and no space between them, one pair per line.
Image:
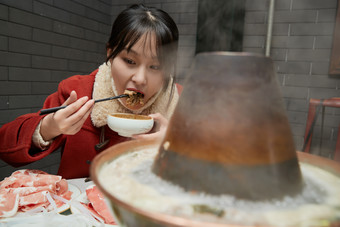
159,129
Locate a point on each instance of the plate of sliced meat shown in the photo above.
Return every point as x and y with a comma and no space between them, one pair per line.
33,191
92,203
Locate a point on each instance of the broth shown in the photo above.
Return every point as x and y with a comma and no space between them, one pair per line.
132,116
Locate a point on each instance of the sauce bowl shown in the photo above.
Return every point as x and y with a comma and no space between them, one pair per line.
129,124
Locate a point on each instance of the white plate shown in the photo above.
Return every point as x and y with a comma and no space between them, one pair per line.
82,198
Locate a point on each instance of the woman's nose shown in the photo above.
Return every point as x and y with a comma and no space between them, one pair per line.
139,76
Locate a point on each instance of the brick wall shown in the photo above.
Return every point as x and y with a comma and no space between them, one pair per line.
41,43
301,49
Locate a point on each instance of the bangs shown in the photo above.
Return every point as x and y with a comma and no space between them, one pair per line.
129,37
147,42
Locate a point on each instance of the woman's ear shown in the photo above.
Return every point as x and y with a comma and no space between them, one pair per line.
108,52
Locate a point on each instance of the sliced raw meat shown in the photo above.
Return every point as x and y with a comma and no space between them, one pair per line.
23,191
93,211
61,186
96,199
8,204
34,198
28,189
28,178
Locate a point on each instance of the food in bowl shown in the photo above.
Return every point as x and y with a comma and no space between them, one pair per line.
134,98
129,124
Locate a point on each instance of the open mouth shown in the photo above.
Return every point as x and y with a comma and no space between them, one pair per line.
135,97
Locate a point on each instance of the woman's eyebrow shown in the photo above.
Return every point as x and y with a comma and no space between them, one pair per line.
131,51
154,57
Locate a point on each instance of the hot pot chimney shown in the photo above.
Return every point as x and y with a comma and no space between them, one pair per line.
229,133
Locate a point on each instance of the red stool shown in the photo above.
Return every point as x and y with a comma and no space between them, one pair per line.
313,104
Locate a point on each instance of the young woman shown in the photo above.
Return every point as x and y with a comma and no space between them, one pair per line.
141,55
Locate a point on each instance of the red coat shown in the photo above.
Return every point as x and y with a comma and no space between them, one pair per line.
17,149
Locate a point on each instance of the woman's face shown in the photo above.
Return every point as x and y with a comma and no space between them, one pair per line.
138,70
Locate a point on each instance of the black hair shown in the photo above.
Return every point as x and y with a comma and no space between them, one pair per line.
138,20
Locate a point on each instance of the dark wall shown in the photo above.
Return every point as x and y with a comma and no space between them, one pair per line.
41,43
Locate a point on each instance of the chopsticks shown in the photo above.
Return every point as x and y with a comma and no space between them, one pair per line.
54,109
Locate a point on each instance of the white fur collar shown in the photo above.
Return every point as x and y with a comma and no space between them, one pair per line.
104,87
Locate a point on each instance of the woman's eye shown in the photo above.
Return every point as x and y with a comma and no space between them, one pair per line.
155,67
129,61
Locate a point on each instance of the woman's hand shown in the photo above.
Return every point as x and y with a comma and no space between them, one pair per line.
69,120
159,129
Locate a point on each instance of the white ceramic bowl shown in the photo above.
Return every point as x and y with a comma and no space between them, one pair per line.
129,124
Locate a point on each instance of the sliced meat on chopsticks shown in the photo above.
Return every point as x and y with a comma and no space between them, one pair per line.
134,98
97,205
31,189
